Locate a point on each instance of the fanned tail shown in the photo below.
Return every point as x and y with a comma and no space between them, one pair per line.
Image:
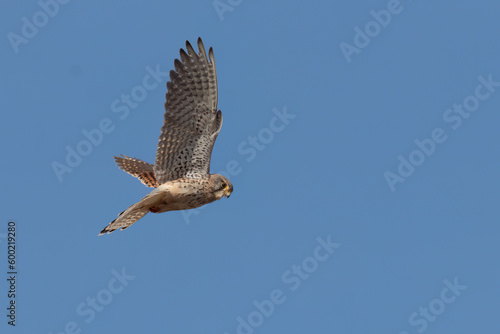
142,170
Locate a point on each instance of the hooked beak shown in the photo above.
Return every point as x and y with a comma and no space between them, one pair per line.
227,192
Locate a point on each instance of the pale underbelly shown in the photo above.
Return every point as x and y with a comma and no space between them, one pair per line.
179,203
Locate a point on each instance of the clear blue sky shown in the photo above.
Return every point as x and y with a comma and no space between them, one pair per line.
362,142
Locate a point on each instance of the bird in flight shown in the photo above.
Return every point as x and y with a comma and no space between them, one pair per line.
181,173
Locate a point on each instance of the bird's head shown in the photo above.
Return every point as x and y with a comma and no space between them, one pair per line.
221,186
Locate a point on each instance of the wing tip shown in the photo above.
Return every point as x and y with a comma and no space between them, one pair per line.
190,49
201,48
122,157
104,231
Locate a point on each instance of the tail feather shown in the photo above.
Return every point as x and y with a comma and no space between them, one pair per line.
142,170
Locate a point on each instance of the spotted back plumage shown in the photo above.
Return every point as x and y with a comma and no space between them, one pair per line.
192,121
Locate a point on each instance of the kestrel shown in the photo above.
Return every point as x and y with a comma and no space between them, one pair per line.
181,173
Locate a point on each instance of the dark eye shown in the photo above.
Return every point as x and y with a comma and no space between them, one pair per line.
223,185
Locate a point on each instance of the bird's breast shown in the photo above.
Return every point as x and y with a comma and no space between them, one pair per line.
181,196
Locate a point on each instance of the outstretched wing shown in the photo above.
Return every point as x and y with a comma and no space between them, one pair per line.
142,170
192,121
134,212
